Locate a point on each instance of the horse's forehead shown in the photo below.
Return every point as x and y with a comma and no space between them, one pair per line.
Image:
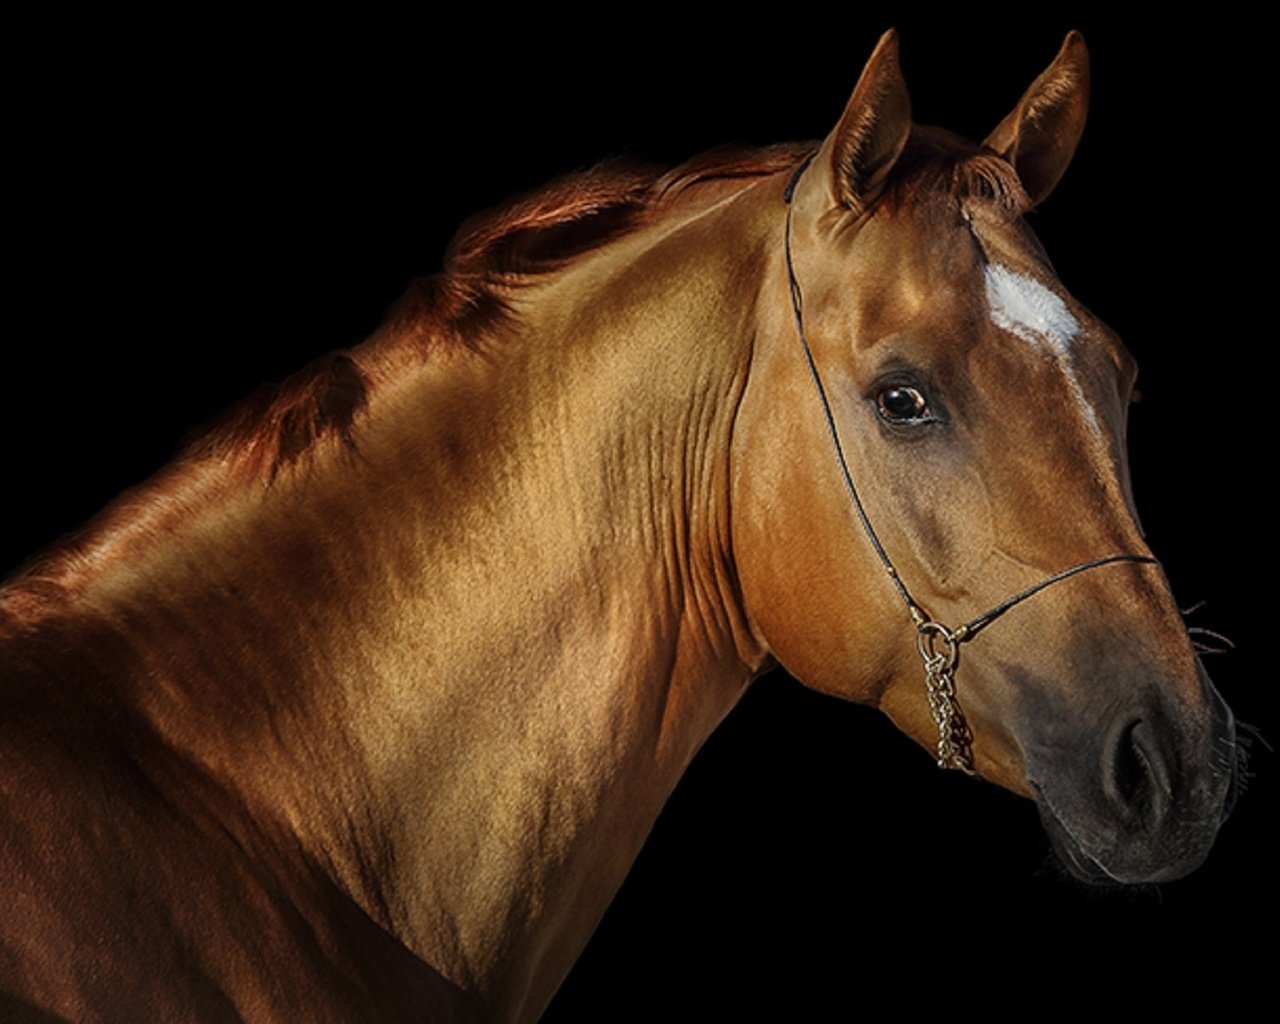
973,266
931,246
910,274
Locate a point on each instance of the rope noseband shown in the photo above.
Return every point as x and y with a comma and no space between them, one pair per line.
939,646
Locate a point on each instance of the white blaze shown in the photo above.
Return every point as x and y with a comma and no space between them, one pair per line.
1035,313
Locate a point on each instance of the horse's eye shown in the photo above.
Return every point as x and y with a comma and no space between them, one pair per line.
902,405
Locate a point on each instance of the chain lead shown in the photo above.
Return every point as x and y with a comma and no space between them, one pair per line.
940,650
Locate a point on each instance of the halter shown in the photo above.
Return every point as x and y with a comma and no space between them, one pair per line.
939,645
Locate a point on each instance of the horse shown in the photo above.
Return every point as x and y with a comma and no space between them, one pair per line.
368,702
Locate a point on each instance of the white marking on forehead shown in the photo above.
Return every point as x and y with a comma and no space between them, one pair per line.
1027,308
1037,314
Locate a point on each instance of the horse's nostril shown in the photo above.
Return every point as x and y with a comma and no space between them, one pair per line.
1138,779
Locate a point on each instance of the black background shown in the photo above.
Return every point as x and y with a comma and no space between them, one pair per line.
200,206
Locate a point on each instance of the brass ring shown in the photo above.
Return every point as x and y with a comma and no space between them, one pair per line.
927,636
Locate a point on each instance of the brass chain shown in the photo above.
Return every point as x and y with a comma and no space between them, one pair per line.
940,650
955,738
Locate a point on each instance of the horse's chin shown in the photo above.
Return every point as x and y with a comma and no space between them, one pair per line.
1069,852
1115,866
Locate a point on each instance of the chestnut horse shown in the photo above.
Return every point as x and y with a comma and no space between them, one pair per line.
363,708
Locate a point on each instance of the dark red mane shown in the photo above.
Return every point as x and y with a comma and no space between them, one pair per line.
492,252
541,232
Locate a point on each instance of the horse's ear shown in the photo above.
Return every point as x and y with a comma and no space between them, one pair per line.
858,155
1039,137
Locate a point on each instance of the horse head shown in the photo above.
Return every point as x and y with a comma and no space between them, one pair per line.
980,412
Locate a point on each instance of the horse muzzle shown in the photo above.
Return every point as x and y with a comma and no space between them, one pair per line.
1145,801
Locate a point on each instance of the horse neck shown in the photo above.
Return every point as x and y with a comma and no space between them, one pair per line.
606,641
500,628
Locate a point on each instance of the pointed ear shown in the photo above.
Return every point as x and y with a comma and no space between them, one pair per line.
856,158
1039,137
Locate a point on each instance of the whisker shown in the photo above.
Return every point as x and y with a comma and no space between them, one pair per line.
1223,645
1252,734
1212,634
1246,736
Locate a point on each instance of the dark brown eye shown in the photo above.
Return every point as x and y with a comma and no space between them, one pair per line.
902,405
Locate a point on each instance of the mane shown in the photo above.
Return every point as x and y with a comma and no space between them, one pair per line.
543,231
521,241
492,253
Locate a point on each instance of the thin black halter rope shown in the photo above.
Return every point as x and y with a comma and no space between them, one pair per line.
954,735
